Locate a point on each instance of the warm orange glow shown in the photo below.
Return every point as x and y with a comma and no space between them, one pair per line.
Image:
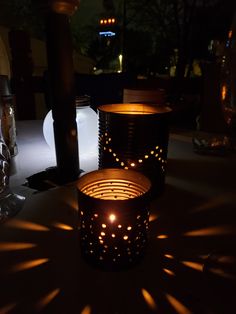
129,228
101,21
140,161
112,218
162,236
29,264
113,20
125,237
105,21
223,92
193,265
26,225
211,231
119,226
47,299
149,299
103,234
153,217
104,226
62,226
222,273
132,108
168,272
7,308
113,235
13,246
230,34
177,305
109,21
86,310
169,256
132,164
65,7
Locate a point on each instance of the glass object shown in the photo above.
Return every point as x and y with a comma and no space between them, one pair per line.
228,80
10,203
8,115
225,141
114,214
87,126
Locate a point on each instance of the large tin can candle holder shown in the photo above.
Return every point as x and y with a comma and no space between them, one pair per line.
135,136
114,215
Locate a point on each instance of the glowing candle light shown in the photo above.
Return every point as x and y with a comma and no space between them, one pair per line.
118,197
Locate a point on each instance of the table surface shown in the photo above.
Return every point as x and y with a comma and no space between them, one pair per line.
41,270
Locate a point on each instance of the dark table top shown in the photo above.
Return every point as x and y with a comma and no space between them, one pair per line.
190,264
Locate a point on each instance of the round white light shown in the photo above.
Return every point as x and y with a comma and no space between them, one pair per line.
87,126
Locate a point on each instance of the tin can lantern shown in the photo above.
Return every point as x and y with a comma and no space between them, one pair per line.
135,136
113,206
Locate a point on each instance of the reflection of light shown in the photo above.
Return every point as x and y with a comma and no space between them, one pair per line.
223,92
168,272
149,299
86,310
62,226
112,218
13,246
169,256
29,264
153,217
177,305
7,308
230,34
162,236
222,273
26,225
193,265
211,231
47,299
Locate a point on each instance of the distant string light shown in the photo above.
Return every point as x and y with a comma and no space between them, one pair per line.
111,20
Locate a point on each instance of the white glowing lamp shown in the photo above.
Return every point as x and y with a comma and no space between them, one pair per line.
87,126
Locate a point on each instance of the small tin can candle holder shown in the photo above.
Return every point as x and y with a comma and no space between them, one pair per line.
135,136
114,215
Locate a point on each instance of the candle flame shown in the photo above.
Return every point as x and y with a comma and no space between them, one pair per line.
112,218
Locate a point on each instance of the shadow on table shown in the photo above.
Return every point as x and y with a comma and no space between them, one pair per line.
189,266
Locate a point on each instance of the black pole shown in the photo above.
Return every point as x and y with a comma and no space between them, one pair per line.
61,78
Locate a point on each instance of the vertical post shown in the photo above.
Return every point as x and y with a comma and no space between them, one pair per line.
61,77
123,39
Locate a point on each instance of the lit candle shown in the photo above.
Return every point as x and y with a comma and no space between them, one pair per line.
114,203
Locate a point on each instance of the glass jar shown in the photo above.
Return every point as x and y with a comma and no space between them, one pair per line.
87,127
